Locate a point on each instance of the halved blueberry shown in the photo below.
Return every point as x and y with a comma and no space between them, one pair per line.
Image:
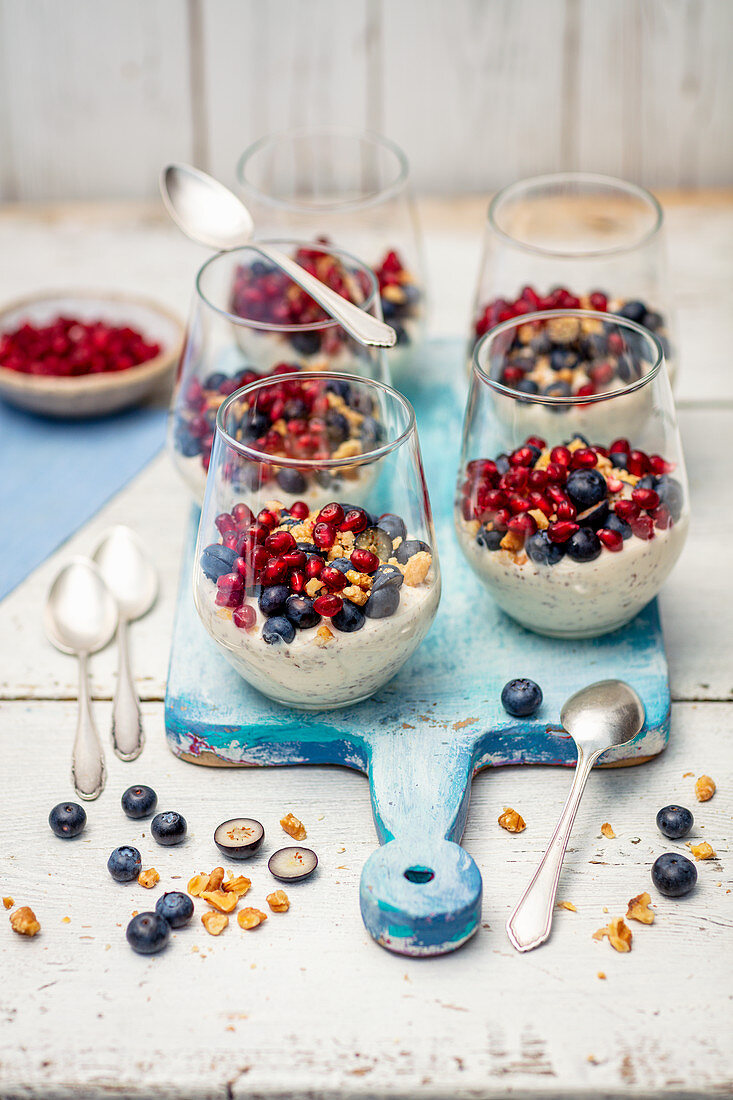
595,516
408,548
382,603
393,525
239,838
148,933
139,801
292,864
278,629
376,541
175,907
67,819
168,828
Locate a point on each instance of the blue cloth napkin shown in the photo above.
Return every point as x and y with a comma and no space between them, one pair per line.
56,474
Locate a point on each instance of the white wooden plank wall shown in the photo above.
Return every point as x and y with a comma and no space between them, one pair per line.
96,94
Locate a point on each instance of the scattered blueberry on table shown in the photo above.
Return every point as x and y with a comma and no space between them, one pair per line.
125,863
148,933
239,838
674,821
67,819
139,801
175,907
674,875
521,698
168,828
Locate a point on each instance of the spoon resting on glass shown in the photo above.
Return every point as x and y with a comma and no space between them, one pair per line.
208,212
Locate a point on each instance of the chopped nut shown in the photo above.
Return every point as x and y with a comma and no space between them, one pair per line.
23,921
278,901
619,935
704,788
563,330
639,909
223,900
66,920
214,923
607,831
602,975
348,449
250,918
362,580
293,827
702,851
148,878
355,594
239,885
197,885
512,541
216,878
512,821
418,567
313,587
567,905
540,518
323,635
8,903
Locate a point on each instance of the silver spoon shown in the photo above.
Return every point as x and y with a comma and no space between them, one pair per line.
602,716
80,618
131,578
208,212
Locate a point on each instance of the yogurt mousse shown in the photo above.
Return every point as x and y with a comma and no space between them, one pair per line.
325,609
572,541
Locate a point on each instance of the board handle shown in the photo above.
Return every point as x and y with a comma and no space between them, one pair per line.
420,893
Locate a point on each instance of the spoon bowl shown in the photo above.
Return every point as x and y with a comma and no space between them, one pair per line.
603,716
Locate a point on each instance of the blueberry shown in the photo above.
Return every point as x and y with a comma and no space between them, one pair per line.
401,334
340,387
615,523
139,801
562,359
278,629
125,863
67,819
652,320
674,875
349,618
260,269
306,343
272,599
526,385
627,368
214,381
542,344
633,311
148,933
595,516
308,548
393,525
675,822
491,540
186,444
382,603
299,609
255,424
619,461
175,907
649,481
342,564
168,828
557,389
409,547
376,541
291,481
584,545
585,488
370,432
521,697
502,463
387,575
389,309
540,550
295,409
217,560
337,427
671,495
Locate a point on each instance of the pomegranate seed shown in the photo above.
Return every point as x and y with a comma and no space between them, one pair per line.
614,485
481,467
584,459
626,510
537,479
598,301
557,473
230,540
602,451
612,540
642,527
662,518
616,343
258,532
260,557
602,373
515,479
539,500
561,455
519,504
297,580
492,499
333,578
566,510
279,542
355,520
300,510
328,606
467,510
512,375
619,447
244,617
230,589
659,465
364,561
314,566
536,441
556,494
586,390
294,559
647,499
242,566
331,513
529,294
523,456
224,523
267,518
242,515
275,570
324,535
523,525
638,463
561,531
501,519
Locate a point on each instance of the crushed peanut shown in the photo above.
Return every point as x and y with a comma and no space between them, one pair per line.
293,827
216,878
197,885
417,568
355,594
278,901
148,878
639,909
214,922
702,851
8,903
540,518
602,975
362,580
619,934
323,635
250,918
239,885
704,788
313,587
23,921
223,900
512,541
607,831
512,821
567,905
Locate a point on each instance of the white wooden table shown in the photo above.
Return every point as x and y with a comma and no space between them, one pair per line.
308,1006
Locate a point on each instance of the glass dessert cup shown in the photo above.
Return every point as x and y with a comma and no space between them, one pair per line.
571,511
249,320
351,187
317,570
574,240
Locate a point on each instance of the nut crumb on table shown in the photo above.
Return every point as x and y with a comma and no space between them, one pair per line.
223,900
293,827
639,909
24,922
704,788
566,905
148,878
618,933
702,851
214,922
238,885
8,903
607,830
512,821
250,918
278,901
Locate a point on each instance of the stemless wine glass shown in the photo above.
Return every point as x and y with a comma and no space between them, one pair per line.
352,187
571,510
317,569
248,319
574,240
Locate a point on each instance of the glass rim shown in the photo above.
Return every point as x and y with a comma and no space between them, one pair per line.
574,399
365,200
272,326
265,458
576,177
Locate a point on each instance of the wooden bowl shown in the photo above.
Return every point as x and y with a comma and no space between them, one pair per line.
92,394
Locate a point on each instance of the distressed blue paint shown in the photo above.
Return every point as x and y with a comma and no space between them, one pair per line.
424,736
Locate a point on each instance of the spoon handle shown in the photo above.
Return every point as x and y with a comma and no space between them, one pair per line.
531,921
127,724
87,762
358,323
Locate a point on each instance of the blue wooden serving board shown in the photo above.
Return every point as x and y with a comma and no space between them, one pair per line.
425,735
